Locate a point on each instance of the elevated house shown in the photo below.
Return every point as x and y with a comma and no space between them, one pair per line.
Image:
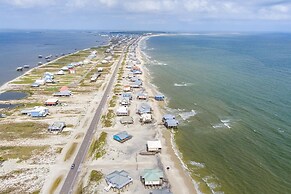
118,180
125,101
152,177
126,120
144,108
95,77
136,84
154,146
126,88
127,95
61,72
57,126
168,117
159,97
34,85
122,136
52,102
142,96
122,111
63,92
171,123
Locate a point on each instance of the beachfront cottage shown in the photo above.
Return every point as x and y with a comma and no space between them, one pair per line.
35,85
122,111
126,88
142,96
52,102
61,72
159,97
125,101
104,61
118,180
152,177
168,117
37,111
64,91
57,126
154,146
146,118
144,108
127,95
40,81
136,84
122,137
126,120
171,123
95,77
100,69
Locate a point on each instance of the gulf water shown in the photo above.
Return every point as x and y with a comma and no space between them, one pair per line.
232,95
22,47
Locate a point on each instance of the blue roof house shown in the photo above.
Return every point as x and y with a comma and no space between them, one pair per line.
171,123
159,97
122,137
168,117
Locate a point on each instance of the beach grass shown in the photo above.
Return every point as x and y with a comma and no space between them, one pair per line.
11,131
71,151
97,146
95,176
56,184
21,152
113,101
107,119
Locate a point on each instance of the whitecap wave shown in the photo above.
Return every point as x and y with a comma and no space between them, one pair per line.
183,84
225,123
197,164
187,115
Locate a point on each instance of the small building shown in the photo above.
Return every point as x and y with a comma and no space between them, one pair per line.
52,102
152,177
122,137
63,94
72,70
159,97
34,85
40,81
100,69
136,84
154,146
118,180
65,68
95,77
125,101
57,126
104,61
168,117
122,111
61,72
126,120
146,118
171,123
144,109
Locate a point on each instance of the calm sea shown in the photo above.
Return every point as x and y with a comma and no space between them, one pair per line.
18,48
233,97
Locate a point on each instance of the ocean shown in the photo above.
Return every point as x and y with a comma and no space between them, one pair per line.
22,47
231,93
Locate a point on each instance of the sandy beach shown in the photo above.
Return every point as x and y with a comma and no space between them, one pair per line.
78,114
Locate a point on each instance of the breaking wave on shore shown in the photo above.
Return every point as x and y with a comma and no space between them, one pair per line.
183,84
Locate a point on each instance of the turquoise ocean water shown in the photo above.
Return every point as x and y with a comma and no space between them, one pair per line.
233,97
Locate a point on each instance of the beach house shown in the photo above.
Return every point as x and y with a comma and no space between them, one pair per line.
126,88
57,126
37,111
154,146
127,95
122,137
171,123
144,108
125,101
117,180
64,91
51,102
126,120
159,97
152,177
168,117
122,111
146,118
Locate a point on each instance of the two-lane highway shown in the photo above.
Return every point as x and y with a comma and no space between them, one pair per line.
73,173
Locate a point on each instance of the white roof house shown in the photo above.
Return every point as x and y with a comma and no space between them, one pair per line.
146,118
154,146
122,111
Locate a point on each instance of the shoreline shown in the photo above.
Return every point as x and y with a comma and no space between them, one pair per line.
169,136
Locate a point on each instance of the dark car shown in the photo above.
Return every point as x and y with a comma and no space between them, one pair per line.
73,166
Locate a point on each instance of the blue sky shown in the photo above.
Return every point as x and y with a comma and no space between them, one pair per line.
166,15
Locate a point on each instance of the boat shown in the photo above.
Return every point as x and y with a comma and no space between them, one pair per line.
40,56
25,66
39,63
19,68
48,57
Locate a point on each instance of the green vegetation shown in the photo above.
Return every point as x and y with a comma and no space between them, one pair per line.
95,176
71,151
97,146
107,119
113,101
59,150
11,131
56,184
23,153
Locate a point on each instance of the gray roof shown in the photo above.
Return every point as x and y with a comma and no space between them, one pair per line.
126,119
144,108
172,122
161,191
168,117
57,126
118,179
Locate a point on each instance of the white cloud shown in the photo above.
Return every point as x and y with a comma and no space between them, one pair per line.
30,3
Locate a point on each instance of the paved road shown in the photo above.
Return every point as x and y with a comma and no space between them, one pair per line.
69,183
